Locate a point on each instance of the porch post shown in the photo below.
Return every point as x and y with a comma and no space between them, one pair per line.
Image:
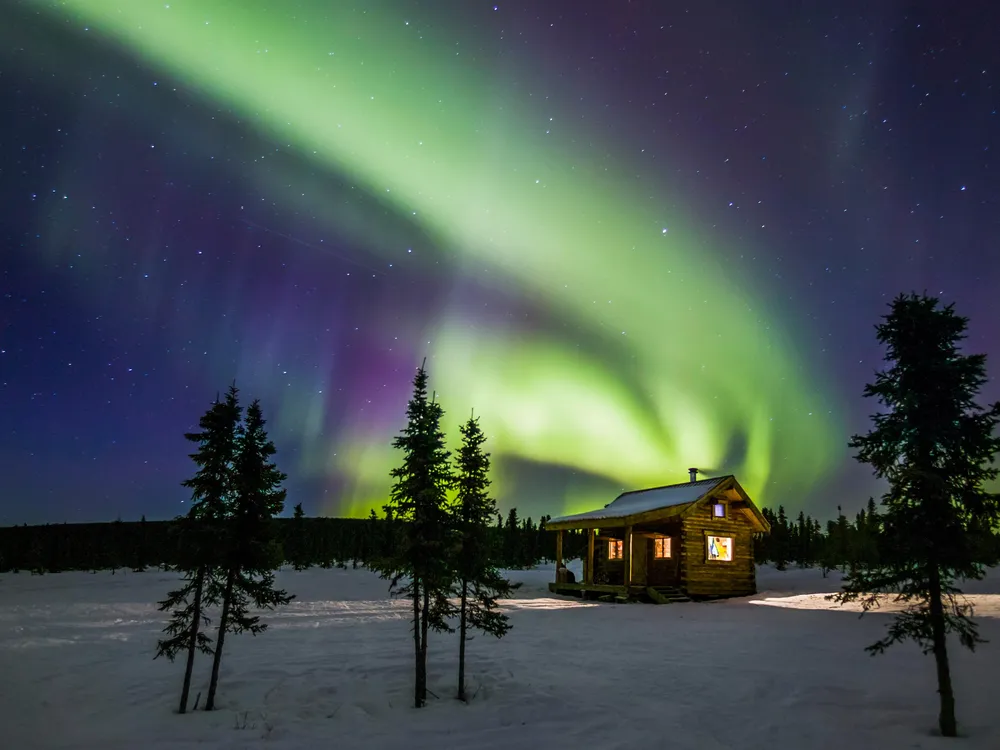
627,556
589,573
559,553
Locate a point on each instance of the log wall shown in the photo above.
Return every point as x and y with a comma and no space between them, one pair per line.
703,577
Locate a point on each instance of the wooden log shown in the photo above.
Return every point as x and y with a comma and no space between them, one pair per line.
559,553
627,556
656,596
589,577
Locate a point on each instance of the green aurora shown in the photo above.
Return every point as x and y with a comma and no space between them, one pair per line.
696,364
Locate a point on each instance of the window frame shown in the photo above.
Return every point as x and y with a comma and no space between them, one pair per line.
732,547
669,543
616,544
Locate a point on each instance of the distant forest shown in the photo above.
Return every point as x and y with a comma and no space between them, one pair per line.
341,542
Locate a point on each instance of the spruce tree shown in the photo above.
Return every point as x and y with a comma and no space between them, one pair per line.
512,540
372,540
250,548
479,583
935,446
802,550
841,536
781,542
541,547
138,552
419,566
298,551
210,489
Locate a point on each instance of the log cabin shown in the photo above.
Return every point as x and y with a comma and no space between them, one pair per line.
680,542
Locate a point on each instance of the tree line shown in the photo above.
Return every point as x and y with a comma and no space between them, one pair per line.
302,541
306,542
841,543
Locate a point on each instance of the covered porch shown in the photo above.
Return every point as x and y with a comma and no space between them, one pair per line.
625,562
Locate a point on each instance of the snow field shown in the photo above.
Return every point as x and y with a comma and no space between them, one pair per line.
335,670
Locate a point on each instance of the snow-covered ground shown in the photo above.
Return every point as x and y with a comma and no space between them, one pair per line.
335,671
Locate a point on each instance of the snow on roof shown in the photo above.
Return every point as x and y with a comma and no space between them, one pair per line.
641,501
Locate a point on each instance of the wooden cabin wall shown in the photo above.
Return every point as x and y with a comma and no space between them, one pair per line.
607,571
667,571
640,549
701,577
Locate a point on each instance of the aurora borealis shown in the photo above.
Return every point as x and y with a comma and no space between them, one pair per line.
311,197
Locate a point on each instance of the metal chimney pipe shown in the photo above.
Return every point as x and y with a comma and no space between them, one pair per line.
694,474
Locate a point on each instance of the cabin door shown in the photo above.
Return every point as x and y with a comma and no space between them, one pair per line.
639,560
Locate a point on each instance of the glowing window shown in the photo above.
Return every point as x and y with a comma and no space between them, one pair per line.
719,548
719,510
661,548
616,549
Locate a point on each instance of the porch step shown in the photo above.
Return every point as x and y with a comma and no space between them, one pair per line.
666,595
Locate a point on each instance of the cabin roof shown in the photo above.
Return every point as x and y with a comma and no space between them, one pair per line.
644,501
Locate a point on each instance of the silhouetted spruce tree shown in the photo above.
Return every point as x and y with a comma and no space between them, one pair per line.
873,531
804,542
298,553
387,542
529,542
112,556
829,559
251,549
541,539
763,543
512,540
935,446
36,557
138,552
372,540
841,535
419,566
199,531
479,583
780,533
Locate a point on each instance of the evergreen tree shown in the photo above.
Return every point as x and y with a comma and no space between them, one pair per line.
138,550
36,557
113,550
251,552
372,540
802,541
529,542
935,446
841,539
512,540
763,544
479,583
387,541
780,534
541,547
829,560
210,487
418,567
299,557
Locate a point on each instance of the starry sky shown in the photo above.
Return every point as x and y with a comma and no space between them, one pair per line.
633,236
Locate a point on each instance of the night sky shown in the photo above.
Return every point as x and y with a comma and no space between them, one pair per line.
634,236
